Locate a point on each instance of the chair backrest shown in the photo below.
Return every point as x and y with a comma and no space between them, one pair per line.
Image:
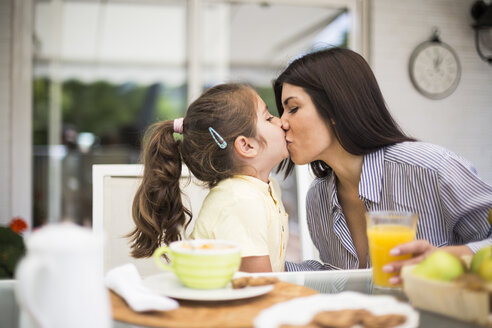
304,178
114,187
9,309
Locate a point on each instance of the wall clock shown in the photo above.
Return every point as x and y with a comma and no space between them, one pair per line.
434,68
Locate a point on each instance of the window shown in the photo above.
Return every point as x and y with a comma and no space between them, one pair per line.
104,71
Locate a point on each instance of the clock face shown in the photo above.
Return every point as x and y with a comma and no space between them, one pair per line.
434,69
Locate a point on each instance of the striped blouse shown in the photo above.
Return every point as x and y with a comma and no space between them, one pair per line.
451,200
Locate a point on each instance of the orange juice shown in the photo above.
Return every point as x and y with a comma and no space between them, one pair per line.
382,238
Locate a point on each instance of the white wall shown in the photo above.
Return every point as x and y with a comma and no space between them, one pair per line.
15,109
461,122
5,36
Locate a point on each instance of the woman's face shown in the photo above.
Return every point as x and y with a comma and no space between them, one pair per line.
308,136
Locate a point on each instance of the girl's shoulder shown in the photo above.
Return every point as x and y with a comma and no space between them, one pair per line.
275,186
235,188
231,195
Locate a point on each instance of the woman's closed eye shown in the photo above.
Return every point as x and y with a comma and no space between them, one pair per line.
293,110
270,118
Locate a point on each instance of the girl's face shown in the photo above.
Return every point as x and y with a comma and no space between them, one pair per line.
308,136
269,128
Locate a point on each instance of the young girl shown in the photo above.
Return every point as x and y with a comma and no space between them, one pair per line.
230,142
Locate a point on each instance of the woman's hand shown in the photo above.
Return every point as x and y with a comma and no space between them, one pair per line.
419,249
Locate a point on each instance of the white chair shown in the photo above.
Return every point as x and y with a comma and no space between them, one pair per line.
114,187
304,177
9,310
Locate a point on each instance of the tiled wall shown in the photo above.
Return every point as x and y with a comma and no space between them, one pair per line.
5,51
461,122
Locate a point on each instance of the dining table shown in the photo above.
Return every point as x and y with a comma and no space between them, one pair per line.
322,282
337,281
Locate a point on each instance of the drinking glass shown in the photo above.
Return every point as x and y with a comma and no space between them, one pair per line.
385,230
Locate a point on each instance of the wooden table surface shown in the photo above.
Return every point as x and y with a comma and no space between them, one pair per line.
225,314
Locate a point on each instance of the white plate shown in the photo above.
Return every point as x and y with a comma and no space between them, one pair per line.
300,311
168,285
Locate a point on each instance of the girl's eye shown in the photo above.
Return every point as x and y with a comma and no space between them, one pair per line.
270,119
293,110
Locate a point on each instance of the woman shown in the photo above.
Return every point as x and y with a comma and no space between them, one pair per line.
336,119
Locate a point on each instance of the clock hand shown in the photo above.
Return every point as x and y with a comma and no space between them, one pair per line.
439,61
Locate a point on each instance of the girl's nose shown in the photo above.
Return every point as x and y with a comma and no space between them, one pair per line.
277,121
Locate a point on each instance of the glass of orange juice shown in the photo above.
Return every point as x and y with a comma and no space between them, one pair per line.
385,230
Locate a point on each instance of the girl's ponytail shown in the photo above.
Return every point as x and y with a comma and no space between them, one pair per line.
158,211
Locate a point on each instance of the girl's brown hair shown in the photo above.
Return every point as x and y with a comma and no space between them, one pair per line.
158,210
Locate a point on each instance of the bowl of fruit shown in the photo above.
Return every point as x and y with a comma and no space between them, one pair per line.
449,285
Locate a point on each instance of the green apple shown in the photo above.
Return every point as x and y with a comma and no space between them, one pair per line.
440,265
478,257
486,269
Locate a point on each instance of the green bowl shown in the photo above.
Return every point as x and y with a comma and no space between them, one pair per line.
201,263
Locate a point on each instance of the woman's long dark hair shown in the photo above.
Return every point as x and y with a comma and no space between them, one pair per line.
344,90
158,210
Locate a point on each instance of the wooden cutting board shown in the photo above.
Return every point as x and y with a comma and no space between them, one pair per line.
226,314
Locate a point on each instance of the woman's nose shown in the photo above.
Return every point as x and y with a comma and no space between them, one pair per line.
285,123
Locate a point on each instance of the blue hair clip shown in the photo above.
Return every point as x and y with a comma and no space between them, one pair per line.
222,144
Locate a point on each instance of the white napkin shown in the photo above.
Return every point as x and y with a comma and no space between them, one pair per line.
126,282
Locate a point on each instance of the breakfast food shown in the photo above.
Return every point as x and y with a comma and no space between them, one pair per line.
252,281
240,282
350,318
200,263
261,281
386,320
444,266
440,265
206,246
342,318
481,263
308,325
465,298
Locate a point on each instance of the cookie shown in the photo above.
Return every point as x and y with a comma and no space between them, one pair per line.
384,321
335,319
240,282
262,281
307,325
252,281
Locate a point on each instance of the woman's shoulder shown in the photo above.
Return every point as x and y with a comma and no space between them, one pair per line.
423,155
417,146
321,186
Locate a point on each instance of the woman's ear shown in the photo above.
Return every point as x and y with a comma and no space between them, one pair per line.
246,147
